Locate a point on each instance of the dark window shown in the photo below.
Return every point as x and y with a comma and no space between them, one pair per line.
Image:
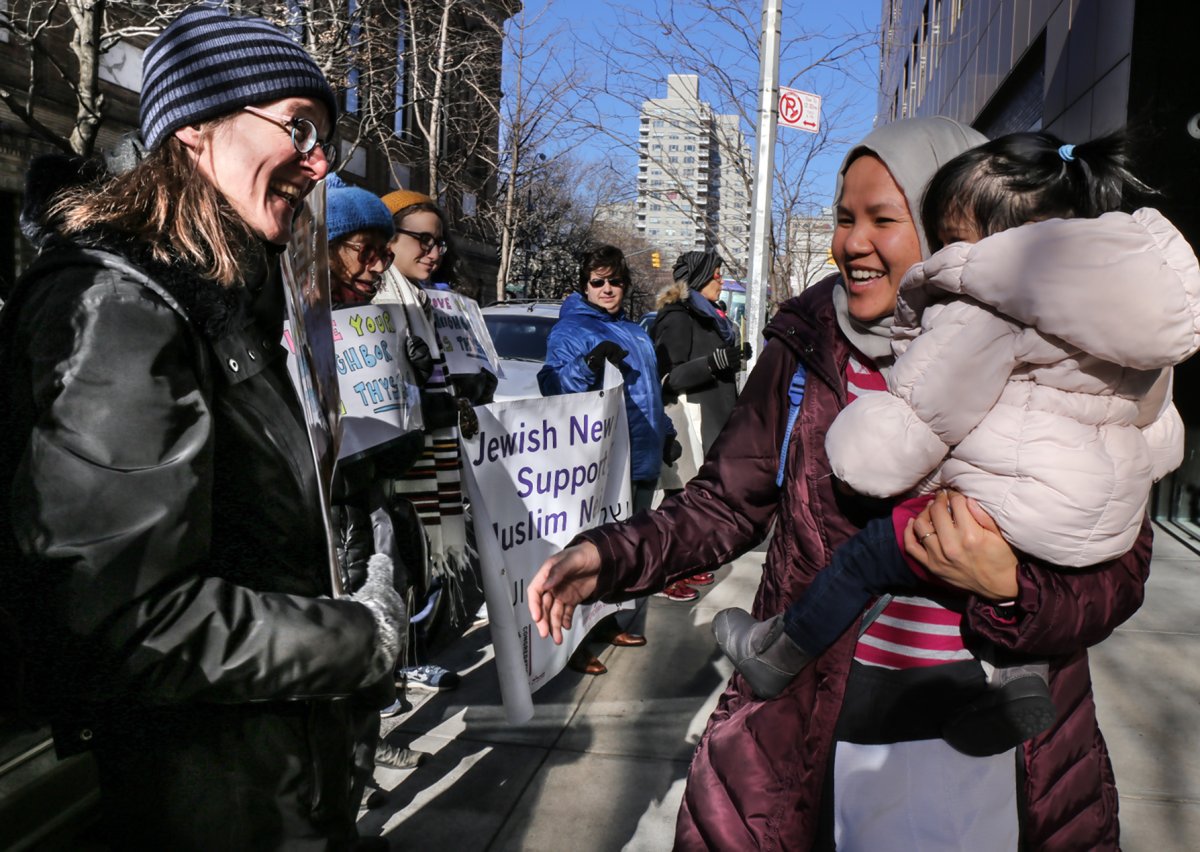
520,337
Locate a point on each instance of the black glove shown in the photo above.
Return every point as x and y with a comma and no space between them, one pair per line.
726,359
747,351
419,358
468,423
672,450
604,351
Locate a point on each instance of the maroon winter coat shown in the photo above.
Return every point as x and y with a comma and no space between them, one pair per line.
757,777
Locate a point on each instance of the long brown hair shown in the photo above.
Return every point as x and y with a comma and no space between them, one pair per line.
166,203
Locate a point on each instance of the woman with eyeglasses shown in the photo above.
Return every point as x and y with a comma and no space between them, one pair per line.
442,567
592,331
161,537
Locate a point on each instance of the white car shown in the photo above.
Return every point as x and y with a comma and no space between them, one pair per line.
519,330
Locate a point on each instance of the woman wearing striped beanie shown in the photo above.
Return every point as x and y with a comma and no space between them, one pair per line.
161,529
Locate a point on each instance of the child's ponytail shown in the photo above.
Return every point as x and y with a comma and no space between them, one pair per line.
1101,174
1028,177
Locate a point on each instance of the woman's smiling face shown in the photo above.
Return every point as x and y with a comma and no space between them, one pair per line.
254,164
875,240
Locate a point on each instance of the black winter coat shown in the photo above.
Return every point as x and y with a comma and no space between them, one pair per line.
162,546
683,340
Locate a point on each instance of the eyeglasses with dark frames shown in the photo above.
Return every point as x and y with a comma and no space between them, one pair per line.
368,254
597,283
426,240
304,133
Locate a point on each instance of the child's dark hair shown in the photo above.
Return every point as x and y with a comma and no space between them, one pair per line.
602,257
1028,177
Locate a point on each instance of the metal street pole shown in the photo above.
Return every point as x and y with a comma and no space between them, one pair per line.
764,166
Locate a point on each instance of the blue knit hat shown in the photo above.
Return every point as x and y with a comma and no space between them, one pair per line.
207,64
350,208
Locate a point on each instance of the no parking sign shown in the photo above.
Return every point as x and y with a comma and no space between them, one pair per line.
799,109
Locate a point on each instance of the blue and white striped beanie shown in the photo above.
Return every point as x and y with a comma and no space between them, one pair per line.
207,64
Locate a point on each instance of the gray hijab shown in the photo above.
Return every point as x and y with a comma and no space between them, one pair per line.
912,150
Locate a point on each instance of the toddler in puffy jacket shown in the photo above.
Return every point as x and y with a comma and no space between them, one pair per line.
1032,374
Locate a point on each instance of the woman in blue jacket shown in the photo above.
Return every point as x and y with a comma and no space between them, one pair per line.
591,330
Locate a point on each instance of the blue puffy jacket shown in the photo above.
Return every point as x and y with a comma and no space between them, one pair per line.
580,327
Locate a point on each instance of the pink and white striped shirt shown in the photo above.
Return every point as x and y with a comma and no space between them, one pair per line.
910,632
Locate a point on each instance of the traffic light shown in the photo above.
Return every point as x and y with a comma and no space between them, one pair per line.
655,260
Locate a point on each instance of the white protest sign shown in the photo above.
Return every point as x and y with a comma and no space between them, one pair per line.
380,397
799,109
462,333
539,472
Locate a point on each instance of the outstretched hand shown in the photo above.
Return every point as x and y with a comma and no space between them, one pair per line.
956,540
564,581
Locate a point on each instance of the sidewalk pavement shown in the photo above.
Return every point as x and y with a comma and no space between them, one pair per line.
602,764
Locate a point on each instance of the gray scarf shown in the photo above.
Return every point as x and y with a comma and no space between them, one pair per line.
872,339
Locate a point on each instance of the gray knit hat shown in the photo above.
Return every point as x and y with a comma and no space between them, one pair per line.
206,64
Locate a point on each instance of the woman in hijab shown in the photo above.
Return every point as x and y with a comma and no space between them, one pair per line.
831,760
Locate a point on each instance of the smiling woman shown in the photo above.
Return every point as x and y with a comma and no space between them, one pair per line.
161,530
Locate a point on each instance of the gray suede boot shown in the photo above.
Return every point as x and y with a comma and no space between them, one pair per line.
764,655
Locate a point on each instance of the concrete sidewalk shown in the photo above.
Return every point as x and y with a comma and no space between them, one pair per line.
601,765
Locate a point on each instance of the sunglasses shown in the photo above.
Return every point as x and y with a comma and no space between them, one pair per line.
304,134
597,283
368,254
427,241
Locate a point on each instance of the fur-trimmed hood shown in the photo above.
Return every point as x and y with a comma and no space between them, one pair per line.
676,291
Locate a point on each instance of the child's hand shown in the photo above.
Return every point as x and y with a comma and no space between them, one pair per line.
960,543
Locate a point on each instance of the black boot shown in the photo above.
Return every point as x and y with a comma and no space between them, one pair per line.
1014,707
766,656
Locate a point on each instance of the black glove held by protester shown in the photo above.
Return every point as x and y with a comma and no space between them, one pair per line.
419,359
604,351
725,359
672,450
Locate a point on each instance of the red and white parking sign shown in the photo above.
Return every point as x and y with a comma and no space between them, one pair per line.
799,109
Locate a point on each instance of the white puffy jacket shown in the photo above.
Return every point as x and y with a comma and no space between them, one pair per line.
1033,373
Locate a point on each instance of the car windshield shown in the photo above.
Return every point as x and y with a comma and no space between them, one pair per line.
520,336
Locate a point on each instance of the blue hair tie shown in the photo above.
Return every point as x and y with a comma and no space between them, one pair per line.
1067,152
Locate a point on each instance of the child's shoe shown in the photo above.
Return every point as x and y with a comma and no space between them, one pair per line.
1015,707
766,656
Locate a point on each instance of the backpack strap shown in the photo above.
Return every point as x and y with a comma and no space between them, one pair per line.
795,397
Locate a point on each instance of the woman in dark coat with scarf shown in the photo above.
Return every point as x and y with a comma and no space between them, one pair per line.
831,760
698,358
161,534
696,345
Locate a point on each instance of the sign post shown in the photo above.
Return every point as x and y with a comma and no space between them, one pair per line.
764,164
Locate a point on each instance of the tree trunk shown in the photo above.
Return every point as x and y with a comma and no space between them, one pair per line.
435,106
88,17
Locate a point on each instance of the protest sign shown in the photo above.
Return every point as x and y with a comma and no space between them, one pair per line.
462,333
309,337
380,399
539,471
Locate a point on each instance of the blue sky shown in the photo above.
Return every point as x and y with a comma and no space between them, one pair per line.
584,27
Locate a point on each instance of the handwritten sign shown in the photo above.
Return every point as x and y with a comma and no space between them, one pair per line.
462,333
539,472
380,396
